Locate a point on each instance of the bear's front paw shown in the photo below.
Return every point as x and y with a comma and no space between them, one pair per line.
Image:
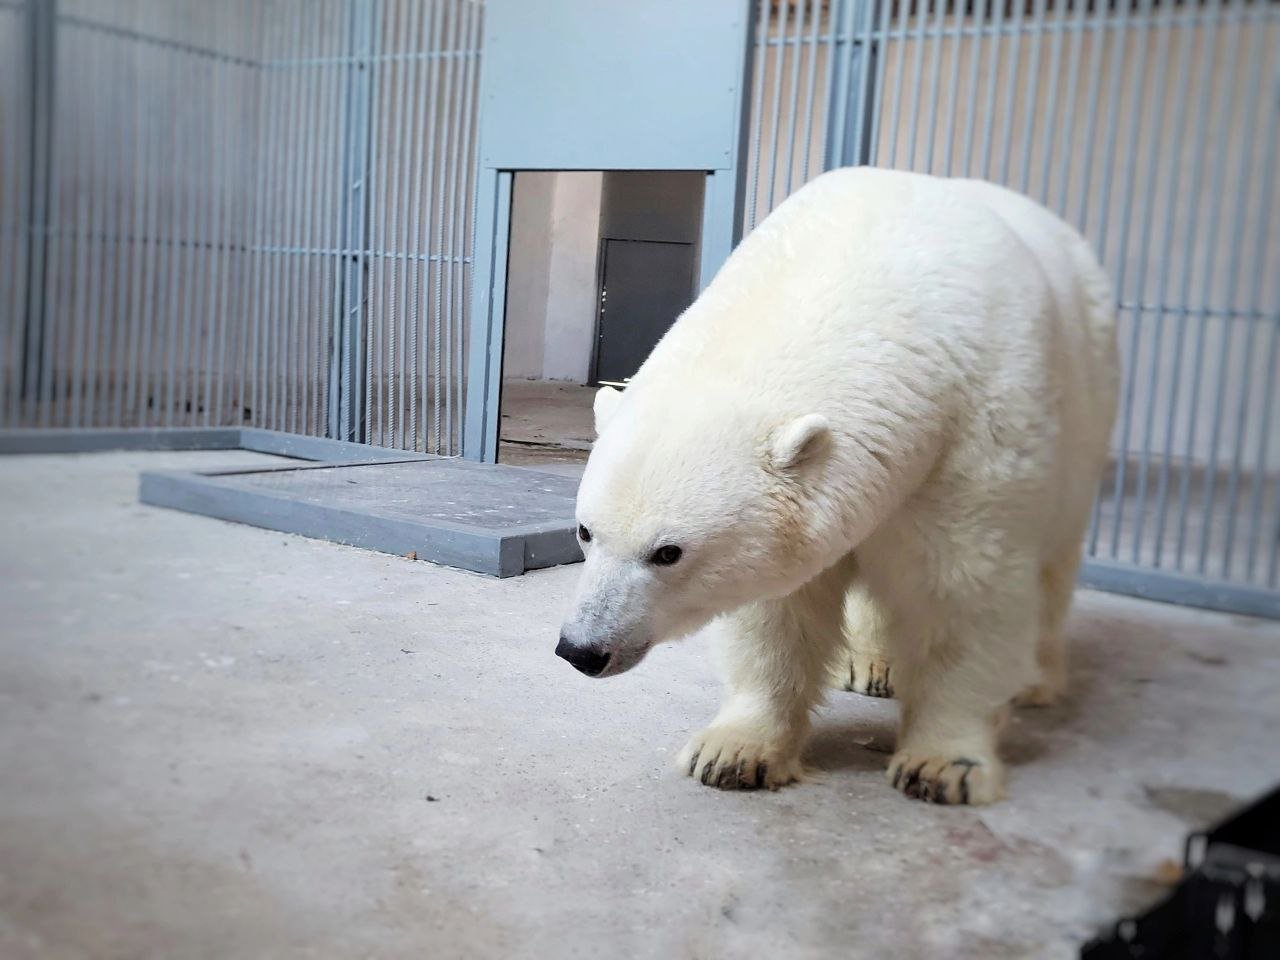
865,673
732,758
946,779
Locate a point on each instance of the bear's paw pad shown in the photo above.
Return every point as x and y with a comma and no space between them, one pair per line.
950,780
864,673
733,759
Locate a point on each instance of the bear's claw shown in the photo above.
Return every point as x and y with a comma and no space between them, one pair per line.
732,761
949,780
863,673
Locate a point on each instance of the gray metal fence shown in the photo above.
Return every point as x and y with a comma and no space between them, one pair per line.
1152,127
237,213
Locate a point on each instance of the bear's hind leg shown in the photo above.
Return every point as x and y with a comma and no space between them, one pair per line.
862,663
1057,584
777,656
963,664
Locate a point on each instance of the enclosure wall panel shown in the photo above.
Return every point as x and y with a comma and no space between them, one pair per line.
1151,126
204,242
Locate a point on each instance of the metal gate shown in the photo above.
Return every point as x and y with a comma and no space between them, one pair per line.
1150,125
239,213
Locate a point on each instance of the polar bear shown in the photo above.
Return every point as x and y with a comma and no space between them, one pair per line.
871,445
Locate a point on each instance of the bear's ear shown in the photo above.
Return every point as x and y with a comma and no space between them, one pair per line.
800,440
605,405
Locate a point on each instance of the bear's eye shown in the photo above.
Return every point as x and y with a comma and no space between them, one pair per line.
666,556
584,534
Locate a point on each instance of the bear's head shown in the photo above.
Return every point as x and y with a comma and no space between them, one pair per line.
690,508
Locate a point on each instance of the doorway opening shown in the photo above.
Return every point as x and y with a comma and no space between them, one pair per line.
600,265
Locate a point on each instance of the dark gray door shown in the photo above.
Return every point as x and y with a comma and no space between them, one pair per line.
644,286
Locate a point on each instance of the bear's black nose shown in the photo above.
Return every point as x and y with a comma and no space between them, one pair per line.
589,661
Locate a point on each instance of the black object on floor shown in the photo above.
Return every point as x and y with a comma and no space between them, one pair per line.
1227,907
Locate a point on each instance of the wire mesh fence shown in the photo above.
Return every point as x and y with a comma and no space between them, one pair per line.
1152,126
241,213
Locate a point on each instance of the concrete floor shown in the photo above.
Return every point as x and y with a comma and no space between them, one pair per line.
222,742
546,424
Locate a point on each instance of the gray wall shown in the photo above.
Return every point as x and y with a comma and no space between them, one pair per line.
551,279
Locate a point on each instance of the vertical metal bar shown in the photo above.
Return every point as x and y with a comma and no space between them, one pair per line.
869,51
110,248
24,239
277,50
141,165
935,76
398,339
204,248
285,128
1030,108
1011,89
1116,64
424,42
426,380
184,239
151,395
1268,170
1127,194
338,368
1210,256
290,217
219,304
971,97
830,43
917,81
1112,126
953,86
353,426
1051,101
895,110
61,151
840,58
484,360
1252,88
793,110
306,275
776,113
94,239
195,243
1201,139
81,151
1094,72
380,240
1169,206
877,87
430,240
40,168
267,125
993,76
453,374
125,249
302,281
327,238
1069,114
448,160
757,121
170,249
808,97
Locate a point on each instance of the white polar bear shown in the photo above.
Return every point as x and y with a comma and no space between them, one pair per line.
887,414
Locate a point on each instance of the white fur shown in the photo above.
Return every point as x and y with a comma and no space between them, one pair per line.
895,397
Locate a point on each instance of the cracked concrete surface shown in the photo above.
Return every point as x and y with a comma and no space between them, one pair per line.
218,741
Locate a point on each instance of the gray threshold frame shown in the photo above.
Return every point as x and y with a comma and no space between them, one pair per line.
494,550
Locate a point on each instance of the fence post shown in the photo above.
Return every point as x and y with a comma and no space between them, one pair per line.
346,353
41,63
854,50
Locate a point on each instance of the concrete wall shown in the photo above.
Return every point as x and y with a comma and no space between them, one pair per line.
551,279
